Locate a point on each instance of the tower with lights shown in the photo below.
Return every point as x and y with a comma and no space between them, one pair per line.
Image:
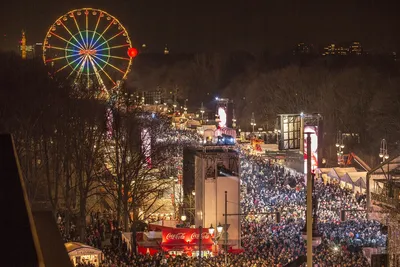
23,45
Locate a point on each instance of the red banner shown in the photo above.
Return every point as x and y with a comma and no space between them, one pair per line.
185,236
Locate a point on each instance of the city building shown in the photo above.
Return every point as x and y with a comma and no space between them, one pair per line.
354,48
302,49
152,97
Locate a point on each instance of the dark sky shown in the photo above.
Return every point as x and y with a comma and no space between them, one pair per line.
215,25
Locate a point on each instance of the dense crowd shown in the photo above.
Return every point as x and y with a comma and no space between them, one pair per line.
270,188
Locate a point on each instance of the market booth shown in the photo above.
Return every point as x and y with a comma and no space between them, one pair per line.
178,241
81,253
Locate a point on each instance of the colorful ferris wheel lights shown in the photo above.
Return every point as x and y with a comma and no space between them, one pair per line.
90,45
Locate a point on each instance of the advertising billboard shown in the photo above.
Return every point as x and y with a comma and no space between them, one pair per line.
185,236
314,147
222,117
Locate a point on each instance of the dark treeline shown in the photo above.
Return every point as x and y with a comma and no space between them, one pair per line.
355,94
65,151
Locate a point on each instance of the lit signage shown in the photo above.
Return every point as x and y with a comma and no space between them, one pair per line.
186,236
314,147
222,117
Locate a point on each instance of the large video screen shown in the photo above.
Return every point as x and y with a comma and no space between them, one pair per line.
222,116
314,147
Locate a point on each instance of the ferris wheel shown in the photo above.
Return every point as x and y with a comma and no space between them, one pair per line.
91,46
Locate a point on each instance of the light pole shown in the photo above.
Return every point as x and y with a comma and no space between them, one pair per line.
200,248
215,239
185,107
202,111
310,231
339,147
253,121
383,152
226,230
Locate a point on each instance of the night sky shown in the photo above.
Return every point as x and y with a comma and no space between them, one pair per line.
218,25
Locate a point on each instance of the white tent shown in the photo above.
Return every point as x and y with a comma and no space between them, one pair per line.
359,180
81,253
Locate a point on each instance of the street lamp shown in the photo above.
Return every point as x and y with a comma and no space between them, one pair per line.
183,217
219,228
215,239
211,230
339,147
383,152
310,231
184,107
253,121
202,111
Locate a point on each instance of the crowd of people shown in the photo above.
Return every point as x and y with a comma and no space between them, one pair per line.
268,188
272,188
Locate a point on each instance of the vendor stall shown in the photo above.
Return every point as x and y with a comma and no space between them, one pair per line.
81,253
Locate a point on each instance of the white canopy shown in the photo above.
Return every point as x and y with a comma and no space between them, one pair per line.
358,178
78,252
76,249
339,173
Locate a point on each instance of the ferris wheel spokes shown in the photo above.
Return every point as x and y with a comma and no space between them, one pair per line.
73,36
111,56
65,40
60,48
106,41
64,57
107,63
98,75
76,66
87,31
112,47
79,30
66,65
95,28
101,35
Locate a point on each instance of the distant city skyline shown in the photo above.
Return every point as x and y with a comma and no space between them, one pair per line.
255,26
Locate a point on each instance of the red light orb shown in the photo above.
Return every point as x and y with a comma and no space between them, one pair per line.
132,52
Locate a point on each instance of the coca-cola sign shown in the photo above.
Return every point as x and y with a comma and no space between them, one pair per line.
175,236
185,236
204,235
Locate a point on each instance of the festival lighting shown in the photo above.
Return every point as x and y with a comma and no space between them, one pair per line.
92,46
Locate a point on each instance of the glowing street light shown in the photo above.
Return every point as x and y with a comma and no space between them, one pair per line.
202,111
219,228
383,152
340,147
183,217
252,121
211,230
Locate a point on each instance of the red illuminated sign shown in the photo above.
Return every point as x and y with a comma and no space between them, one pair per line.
185,236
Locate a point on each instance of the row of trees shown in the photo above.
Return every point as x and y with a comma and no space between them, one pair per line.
354,94
75,157
358,100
